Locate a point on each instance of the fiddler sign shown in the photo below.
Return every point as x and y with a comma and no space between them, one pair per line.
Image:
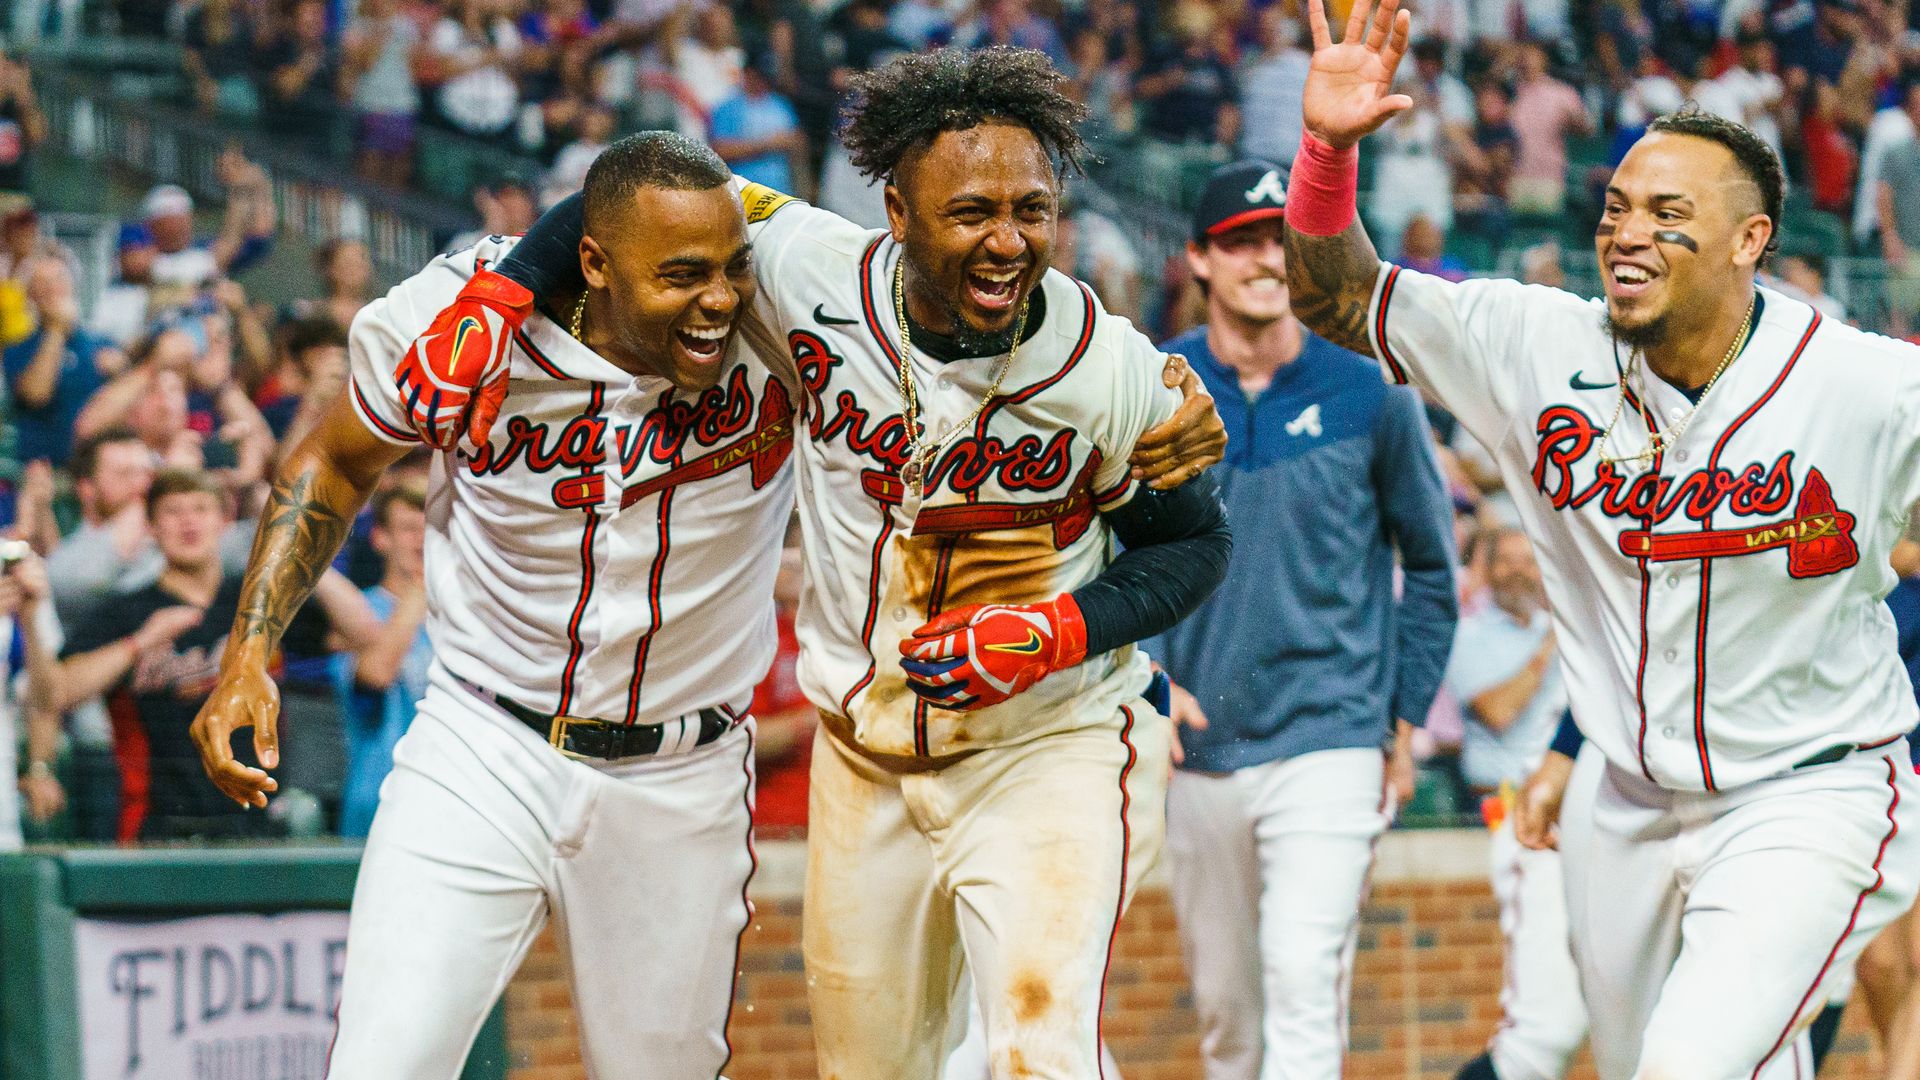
216,997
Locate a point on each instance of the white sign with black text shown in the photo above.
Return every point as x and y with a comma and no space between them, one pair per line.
216,997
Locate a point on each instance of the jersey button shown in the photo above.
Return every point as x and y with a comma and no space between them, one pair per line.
1680,455
1673,581
1671,733
1671,655
943,383
899,614
1676,413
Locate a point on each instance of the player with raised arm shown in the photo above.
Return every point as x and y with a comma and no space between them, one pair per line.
987,782
1713,476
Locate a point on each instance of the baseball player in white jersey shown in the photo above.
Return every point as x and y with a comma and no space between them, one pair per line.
600,567
1503,673
1713,476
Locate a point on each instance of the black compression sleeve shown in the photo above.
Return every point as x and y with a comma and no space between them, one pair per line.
1177,544
547,259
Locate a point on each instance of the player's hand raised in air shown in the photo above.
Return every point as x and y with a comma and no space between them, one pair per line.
244,698
983,654
1349,91
454,377
1186,444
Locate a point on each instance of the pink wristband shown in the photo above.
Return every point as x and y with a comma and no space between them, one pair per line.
1325,187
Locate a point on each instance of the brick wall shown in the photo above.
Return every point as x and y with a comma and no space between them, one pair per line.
1425,995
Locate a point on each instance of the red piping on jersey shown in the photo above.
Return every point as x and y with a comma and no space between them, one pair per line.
1073,359
868,308
1646,583
366,411
1706,566
539,358
1120,903
753,865
1893,829
592,526
1394,368
653,606
873,609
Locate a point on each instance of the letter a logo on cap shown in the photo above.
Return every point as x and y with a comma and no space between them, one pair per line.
1268,189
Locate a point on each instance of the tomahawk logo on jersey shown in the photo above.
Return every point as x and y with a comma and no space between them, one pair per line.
1673,576
1010,513
572,515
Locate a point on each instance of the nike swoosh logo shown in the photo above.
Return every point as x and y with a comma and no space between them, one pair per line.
1579,383
1031,645
460,333
820,316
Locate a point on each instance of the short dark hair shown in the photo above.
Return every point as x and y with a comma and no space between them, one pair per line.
1749,151
183,482
660,159
85,458
398,495
905,105
314,332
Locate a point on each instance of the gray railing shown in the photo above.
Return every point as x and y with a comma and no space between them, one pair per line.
106,121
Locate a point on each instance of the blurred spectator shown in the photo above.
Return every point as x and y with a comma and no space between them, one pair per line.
569,172
1483,179
1899,201
23,243
788,32
223,40
506,208
920,23
246,233
469,56
1545,112
1010,22
706,60
307,381
1423,248
29,696
757,133
1502,668
1270,88
156,651
1189,94
379,686
1748,92
1889,127
1520,20
121,315
345,267
57,369
1094,249
1804,277
1540,265
176,399
1414,155
376,76
111,550
302,76
22,125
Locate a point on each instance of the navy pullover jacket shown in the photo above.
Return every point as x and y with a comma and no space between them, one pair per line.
1306,647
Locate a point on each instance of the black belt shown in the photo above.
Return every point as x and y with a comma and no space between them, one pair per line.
1834,753
605,740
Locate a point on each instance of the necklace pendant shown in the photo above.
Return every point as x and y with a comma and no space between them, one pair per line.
910,472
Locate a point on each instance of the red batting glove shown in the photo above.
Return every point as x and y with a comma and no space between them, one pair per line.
983,654
454,377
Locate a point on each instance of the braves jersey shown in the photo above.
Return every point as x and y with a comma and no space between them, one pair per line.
1011,513
610,552
1718,610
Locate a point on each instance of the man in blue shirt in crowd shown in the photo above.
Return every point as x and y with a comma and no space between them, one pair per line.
756,132
54,370
1304,666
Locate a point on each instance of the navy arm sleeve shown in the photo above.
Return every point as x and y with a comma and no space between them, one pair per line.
1419,521
1567,738
1177,543
547,258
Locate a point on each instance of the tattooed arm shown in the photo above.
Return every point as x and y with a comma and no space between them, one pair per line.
1331,279
320,487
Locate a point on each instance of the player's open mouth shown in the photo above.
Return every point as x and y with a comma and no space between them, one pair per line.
1628,281
994,290
703,344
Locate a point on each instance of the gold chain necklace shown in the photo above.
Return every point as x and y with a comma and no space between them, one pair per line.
579,313
1658,441
919,455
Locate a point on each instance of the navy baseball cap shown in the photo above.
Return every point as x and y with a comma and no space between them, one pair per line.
1238,194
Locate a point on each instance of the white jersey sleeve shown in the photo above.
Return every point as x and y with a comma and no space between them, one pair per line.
1470,344
384,329
1140,401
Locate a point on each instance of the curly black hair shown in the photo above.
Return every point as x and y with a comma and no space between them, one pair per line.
905,105
1749,151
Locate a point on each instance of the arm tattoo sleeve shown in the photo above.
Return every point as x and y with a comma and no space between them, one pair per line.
300,532
1331,279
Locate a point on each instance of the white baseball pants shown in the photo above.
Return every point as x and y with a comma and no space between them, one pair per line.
1706,924
484,832
1543,1018
1270,866
1017,861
